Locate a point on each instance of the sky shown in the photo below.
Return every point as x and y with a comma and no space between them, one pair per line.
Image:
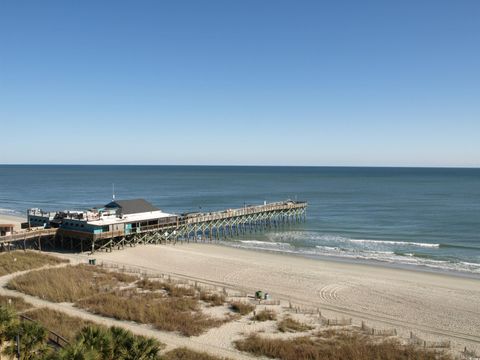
220,82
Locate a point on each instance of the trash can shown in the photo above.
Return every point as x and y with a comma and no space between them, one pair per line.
92,261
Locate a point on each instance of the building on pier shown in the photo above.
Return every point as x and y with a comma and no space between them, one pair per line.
121,216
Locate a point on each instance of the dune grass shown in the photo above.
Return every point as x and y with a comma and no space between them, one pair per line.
265,315
241,307
334,346
187,354
20,260
17,303
69,283
164,313
59,322
291,325
214,299
163,304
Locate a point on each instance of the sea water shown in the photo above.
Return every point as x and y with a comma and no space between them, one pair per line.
422,217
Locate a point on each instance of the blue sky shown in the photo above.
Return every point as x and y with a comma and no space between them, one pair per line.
240,82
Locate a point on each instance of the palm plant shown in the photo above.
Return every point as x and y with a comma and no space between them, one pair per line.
77,351
33,341
143,349
8,325
122,342
96,339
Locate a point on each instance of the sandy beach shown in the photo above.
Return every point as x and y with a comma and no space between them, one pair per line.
435,306
9,219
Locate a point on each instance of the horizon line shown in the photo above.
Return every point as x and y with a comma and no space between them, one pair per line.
257,165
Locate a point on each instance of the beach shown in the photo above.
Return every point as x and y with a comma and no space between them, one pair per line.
9,219
435,306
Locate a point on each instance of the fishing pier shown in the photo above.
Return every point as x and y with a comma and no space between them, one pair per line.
134,222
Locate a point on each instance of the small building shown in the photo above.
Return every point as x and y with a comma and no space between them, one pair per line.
6,229
38,217
121,217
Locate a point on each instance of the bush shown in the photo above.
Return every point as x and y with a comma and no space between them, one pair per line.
241,307
265,315
187,354
290,325
333,346
19,260
213,299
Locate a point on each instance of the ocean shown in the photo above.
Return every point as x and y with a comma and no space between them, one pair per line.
421,217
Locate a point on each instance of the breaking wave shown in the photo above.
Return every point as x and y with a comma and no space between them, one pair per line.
387,251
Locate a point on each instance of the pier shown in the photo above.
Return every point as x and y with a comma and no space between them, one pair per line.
196,227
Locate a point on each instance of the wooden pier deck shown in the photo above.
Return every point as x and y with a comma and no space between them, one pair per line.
199,226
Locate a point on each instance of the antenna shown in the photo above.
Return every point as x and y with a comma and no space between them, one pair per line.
113,192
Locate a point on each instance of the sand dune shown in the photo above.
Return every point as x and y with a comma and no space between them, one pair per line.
436,306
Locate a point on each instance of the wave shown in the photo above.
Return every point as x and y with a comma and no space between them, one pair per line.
390,251
267,243
391,242
10,212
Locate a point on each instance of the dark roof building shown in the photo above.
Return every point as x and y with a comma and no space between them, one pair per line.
131,206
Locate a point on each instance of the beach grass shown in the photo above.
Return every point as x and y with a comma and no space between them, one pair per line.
288,324
59,322
15,302
164,313
214,299
265,315
334,345
68,284
241,307
184,353
19,260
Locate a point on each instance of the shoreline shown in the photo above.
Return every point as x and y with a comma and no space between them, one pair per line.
362,261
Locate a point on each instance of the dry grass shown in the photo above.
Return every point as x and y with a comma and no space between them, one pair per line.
165,305
16,303
169,287
68,284
290,325
241,307
164,313
213,299
59,322
334,346
187,354
20,260
265,315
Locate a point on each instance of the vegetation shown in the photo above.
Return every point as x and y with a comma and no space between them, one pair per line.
20,260
68,284
290,325
65,325
241,307
14,302
187,354
213,299
92,342
169,287
164,313
163,304
333,345
265,315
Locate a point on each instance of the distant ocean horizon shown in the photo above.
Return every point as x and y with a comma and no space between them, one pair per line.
409,216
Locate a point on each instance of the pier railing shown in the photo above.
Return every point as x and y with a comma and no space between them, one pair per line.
247,210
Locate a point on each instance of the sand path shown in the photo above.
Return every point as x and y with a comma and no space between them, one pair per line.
203,343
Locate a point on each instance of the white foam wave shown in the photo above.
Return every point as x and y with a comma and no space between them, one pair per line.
402,243
267,243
